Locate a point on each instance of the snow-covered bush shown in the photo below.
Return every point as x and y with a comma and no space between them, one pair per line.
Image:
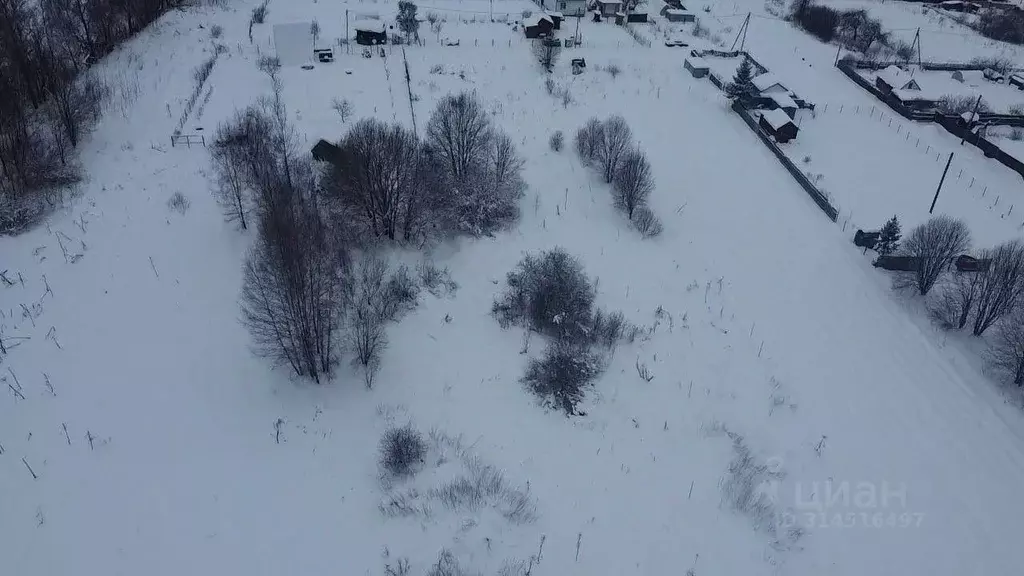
216,31
556,141
402,451
562,375
956,104
633,182
259,13
589,139
647,222
548,293
436,280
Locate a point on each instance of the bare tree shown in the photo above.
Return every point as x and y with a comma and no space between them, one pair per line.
460,132
343,107
291,292
229,165
958,299
589,139
375,178
1002,284
617,139
634,181
935,243
547,53
1007,352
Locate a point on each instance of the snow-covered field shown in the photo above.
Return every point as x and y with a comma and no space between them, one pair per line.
155,450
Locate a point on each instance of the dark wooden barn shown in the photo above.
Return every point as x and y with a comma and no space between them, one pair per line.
898,263
778,124
324,151
538,25
370,33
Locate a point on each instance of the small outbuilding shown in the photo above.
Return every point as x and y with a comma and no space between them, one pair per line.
697,66
324,151
556,18
767,84
958,76
370,32
898,263
677,14
779,125
992,75
608,8
638,16
538,25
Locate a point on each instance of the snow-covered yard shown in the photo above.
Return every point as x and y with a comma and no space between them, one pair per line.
874,169
147,438
936,84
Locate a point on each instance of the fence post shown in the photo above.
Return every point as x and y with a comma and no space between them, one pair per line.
172,141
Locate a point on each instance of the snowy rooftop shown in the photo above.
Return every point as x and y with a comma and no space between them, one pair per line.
555,14
616,2
896,77
776,118
369,25
677,11
783,100
911,95
766,81
697,62
536,19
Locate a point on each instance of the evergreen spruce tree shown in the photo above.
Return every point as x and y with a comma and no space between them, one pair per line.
889,241
742,85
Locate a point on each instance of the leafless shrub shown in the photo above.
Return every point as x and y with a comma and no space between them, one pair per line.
436,280
547,52
549,293
1001,285
447,565
437,69
242,161
560,378
259,13
549,86
613,70
935,243
268,64
1016,134
178,202
699,30
1016,110
646,222
633,181
746,489
958,104
607,330
367,340
402,451
565,96
401,568
216,31
556,141
1006,354
343,107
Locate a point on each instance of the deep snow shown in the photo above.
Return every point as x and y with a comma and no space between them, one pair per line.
780,331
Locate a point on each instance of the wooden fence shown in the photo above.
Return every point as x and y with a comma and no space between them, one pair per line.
817,195
188,140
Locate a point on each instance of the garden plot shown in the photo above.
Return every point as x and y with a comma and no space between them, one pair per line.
873,170
1009,139
937,84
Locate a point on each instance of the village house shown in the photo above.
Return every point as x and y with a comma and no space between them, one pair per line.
778,124
677,14
370,32
324,151
894,78
783,101
566,7
608,8
767,84
538,25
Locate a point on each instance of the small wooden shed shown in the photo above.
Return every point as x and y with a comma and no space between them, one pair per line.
697,66
608,7
324,151
677,14
370,32
779,125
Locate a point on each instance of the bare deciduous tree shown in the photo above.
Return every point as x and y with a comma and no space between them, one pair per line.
589,139
617,139
375,178
1002,284
547,53
935,243
634,181
229,165
343,107
460,132
1007,352
291,292
957,300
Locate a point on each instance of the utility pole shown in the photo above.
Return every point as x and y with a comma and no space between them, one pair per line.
974,114
741,32
347,38
941,180
576,36
838,50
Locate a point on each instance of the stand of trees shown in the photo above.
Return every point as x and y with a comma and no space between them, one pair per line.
47,98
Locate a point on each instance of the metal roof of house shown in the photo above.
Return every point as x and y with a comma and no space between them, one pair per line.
898,78
766,81
535,20
697,62
376,26
783,100
776,118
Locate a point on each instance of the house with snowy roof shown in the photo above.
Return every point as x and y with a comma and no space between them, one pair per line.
778,124
538,25
895,78
768,83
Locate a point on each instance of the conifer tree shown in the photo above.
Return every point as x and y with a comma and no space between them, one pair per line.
889,241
